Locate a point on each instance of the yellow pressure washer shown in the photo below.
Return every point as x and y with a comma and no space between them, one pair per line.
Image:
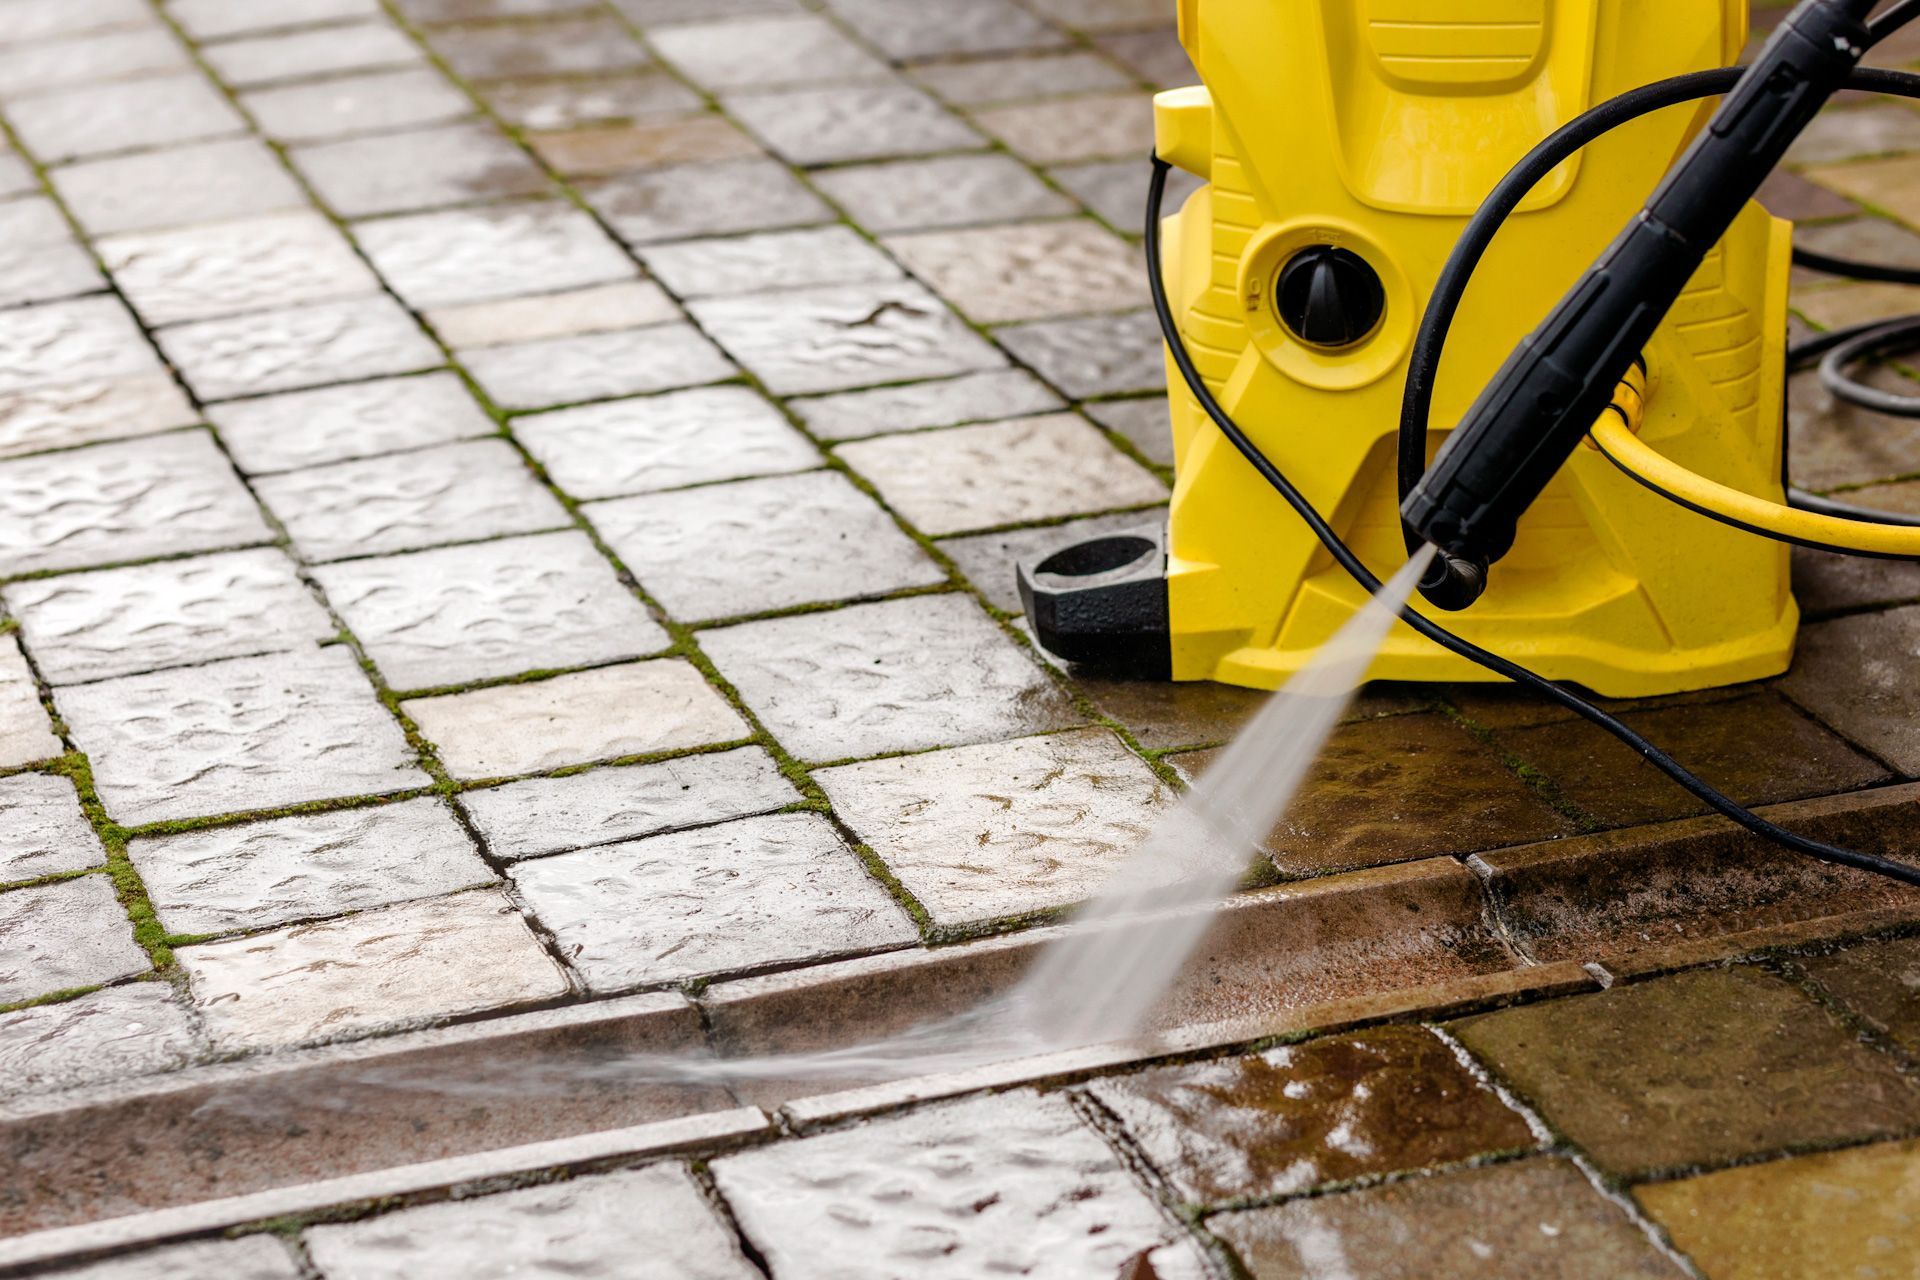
1361,157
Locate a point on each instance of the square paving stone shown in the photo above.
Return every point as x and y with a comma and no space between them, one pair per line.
215,19
901,675
1855,674
258,1257
1014,1184
356,104
539,47
986,832
489,610
598,366
1325,1111
119,622
40,261
80,341
1144,424
60,416
261,874
164,495
419,169
909,29
241,734
407,501
1879,982
1094,355
774,260
1026,272
782,889
839,338
623,802
620,148
96,119
378,971
114,1034
339,424
1699,1068
664,442
35,66
499,251
704,200
367,337
206,182
983,82
946,191
765,53
851,122
1002,473
259,264
724,551
601,308
26,734
1890,184
987,561
43,830
636,96
650,1224
1508,1222
576,719
1840,1213
973,397
71,933
1062,130
302,55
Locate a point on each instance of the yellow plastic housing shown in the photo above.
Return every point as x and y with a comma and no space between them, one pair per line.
1378,126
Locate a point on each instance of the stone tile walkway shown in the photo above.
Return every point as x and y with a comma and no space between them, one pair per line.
506,521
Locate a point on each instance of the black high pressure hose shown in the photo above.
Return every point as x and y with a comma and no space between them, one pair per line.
1419,394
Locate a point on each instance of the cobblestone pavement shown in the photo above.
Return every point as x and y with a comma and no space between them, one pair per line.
506,514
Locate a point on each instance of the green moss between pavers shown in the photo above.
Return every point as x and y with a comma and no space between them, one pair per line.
1543,786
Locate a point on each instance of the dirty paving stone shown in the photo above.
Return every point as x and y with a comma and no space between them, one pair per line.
779,889
71,933
377,971
664,442
498,251
302,55
1836,443
299,429
604,308
370,103
845,123
258,264
132,1030
790,540
1506,1222
1642,1076
26,734
366,337
1026,271
153,190
1092,356
987,561
118,622
948,402
605,149
43,830
490,610
900,675
1853,673
773,260
767,53
1878,982
704,200
421,169
624,802
944,191
598,366
259,1257
636,97
540,47
985,832
575,719
408,501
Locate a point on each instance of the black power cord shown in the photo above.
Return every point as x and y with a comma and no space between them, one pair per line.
1439,317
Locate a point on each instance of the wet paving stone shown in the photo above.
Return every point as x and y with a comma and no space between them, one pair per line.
1825,583
490,610
377,971
979,477
258,1257
853,122
408,501
985,82
1696,1069
836,339
781,889
1851,673
42,828
597,366
906,30
624,802
1093,356
973,397
302,55
98,119
421,169
541,47
653,1219
1507,1222
31,67
68,934
575,719
987,561
636,97
664,442
64,415
790,540
1890,184
704,200
603,308
339,424
1010,1185
118,622
1840,1213
901,675
39,257
1835,443
258,264
26,734
1325,1111
985,832
268,873
499,251
946,191
620,148
1029,271
218,19
367,337
83,340
206,182
161,496
342,107
132,1030
1060,131
775,260
246,733
762,53
1879,983
1141,423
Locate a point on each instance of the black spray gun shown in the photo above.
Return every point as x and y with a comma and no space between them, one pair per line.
1561,377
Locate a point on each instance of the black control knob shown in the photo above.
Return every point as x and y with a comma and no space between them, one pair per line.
1329,297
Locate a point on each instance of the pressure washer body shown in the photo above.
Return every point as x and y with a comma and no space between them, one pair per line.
1343,145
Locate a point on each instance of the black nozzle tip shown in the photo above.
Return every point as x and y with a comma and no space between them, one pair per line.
1453,582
